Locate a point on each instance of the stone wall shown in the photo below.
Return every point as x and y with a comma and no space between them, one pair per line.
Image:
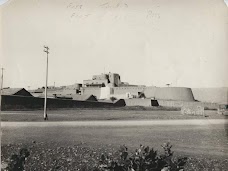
179,104
138,102
141,102
192,110
24,103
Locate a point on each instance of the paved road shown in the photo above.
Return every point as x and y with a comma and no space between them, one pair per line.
117,123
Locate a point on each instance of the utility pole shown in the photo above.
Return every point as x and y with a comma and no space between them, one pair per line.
1,89
2,80
46,50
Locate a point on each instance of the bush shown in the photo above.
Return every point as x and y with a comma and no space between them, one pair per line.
113,99
17,162
144,159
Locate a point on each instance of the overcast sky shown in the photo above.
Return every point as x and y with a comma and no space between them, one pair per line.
150,42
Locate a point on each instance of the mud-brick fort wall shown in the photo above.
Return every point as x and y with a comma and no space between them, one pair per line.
124,90
159,93
169,93
96,91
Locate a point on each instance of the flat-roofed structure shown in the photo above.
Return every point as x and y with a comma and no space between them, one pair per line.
103,80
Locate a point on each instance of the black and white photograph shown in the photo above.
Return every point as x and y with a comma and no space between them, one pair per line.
114,85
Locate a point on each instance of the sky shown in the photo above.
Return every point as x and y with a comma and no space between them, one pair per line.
158,42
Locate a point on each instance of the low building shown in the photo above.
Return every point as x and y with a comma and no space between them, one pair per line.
16,92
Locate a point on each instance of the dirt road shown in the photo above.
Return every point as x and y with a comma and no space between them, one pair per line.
117,123
207,137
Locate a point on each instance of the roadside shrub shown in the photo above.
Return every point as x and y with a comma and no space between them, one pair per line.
143,159
17,161
113,99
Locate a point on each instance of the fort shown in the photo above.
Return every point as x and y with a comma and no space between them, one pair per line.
107,89
110,86
105,86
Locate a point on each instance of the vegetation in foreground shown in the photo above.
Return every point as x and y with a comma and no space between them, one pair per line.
144,159
42,156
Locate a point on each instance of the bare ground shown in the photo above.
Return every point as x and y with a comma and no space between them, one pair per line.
72,148
104,114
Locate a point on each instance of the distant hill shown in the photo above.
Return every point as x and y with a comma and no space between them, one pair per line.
213,95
